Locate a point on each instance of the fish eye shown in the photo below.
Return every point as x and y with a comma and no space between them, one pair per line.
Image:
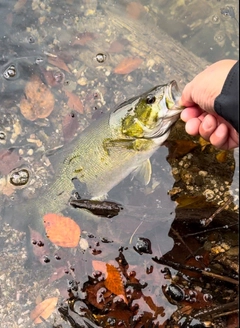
150,99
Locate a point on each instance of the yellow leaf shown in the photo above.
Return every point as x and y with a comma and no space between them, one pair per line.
222,156
43,309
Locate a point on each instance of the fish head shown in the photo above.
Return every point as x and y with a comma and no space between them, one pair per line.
151,115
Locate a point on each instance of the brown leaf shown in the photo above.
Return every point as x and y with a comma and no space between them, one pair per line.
179,148
114,282
58,62
19,5
43,310
9,160
69,126
74,101
62,231
83,38
38,101
135,9
128,65
222,156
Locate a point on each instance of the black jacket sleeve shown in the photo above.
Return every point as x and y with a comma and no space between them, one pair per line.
227,103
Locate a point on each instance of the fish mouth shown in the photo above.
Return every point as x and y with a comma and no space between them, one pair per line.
172,96
171,110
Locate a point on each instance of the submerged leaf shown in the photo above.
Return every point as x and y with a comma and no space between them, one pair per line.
127,65
38,101
43,310
61,230
135,9
74,102
114,282
58,62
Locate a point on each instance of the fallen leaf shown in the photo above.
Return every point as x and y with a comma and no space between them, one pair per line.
203,143
179,148
57,274
100,266
9,159
74,101
58,62
114,282
38,101
116,47
222,156
83,38
6,188
43,310
19,5
135,9
69,126
127,65
61,230
53,78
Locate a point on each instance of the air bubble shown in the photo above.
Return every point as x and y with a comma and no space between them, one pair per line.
2,135
19,177
100,58
207,297
10,72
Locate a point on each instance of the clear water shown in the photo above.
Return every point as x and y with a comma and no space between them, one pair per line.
74,47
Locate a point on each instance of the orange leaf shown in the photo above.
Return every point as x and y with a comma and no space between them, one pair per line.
114,282
38,101
128,65
56,61
74,101
61,230
135,9
43,309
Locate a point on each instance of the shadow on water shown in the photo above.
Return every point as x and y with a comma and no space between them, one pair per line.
170,256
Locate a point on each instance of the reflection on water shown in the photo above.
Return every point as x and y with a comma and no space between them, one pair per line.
63,64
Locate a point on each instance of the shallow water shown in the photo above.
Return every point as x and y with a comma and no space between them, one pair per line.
76,49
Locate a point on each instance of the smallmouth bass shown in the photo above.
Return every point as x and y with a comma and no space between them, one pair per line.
119,143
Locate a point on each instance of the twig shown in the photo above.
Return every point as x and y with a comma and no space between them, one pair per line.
178,266
206,222
208,230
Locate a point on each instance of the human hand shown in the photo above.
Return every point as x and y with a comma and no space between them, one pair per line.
198,97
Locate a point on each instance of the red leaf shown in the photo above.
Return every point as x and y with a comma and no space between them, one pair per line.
128,65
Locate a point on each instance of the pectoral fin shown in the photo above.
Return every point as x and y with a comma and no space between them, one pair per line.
143,172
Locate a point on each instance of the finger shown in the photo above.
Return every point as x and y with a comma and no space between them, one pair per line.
192,126
208,126
186,98
190,112
220,136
